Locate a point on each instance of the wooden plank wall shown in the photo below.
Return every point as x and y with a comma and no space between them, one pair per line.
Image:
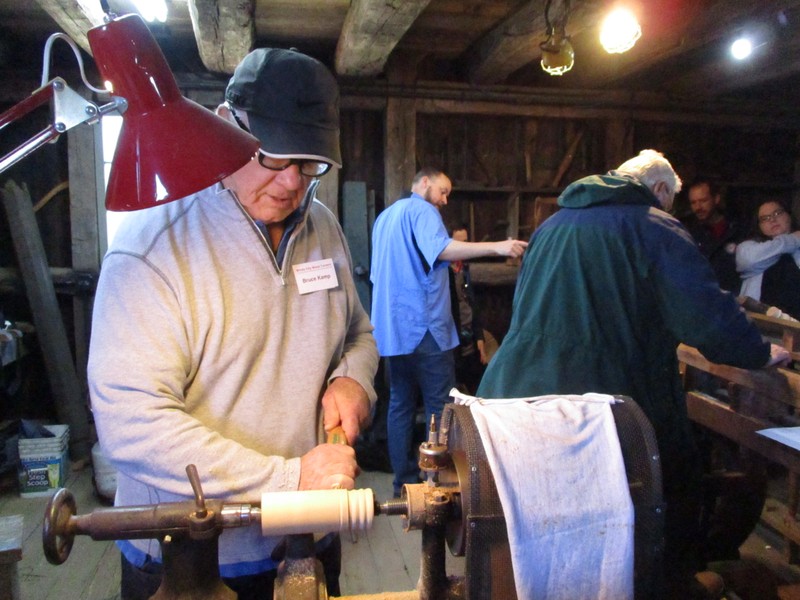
362,133
500,164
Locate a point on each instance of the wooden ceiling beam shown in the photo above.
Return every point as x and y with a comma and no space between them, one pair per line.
515,42
75,17
225,32
371,30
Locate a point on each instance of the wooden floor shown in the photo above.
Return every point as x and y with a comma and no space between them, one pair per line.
385,559
92,570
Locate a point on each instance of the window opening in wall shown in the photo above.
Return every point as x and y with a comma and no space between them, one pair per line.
111,125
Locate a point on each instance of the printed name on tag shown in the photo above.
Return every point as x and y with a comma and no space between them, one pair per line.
315,276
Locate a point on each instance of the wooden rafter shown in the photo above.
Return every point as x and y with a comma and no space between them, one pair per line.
371,30
75,17
224,30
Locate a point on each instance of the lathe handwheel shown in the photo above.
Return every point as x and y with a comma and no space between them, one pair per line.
57,536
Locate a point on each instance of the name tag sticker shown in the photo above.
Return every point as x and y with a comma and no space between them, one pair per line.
315,276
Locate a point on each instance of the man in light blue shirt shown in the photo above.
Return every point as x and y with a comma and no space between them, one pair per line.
411,312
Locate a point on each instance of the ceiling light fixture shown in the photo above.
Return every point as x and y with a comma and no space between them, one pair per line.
152,10
558,56
741,48
620,31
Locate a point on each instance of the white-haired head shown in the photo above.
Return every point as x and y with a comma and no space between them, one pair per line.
653,170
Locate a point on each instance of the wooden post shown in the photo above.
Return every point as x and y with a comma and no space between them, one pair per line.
69,400
355,217
400,143
400,152
328,190
88,226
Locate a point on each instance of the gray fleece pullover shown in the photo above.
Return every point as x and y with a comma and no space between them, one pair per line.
203,351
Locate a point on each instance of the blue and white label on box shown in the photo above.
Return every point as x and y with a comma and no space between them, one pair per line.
41,475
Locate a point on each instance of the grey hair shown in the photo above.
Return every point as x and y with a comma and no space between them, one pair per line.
650,167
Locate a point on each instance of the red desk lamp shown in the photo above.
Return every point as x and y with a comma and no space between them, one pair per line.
169,147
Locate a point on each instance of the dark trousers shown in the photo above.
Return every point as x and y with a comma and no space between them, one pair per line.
140,583
430,370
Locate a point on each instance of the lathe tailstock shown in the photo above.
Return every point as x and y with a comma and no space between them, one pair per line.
457,506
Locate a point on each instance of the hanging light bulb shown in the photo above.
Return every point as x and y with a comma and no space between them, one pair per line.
558,56
620,31
741,48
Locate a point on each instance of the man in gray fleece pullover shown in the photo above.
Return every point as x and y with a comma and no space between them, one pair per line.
228,333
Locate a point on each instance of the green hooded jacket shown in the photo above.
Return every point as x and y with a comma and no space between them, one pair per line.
607,289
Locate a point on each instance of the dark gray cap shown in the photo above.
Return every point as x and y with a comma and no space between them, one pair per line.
292,103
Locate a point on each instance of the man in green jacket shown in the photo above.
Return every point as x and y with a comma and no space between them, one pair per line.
608,288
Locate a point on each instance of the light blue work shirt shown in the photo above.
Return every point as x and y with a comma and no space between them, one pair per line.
411,288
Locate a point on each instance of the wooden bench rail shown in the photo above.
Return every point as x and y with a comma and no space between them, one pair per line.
780,384
756,399
788,332
720,418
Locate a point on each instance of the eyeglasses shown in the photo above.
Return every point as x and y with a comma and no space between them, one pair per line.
309,168
772,216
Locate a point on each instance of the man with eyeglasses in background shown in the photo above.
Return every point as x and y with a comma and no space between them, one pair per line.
228,332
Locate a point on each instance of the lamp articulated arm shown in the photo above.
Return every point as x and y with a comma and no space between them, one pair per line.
69,109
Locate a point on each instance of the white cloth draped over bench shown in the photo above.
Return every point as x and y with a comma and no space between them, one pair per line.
561,480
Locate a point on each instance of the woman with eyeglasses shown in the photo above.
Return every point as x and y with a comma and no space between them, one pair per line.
769,262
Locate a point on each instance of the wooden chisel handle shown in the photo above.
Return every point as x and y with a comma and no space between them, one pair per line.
337,436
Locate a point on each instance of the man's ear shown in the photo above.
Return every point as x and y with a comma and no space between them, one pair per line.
660,192
665,197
